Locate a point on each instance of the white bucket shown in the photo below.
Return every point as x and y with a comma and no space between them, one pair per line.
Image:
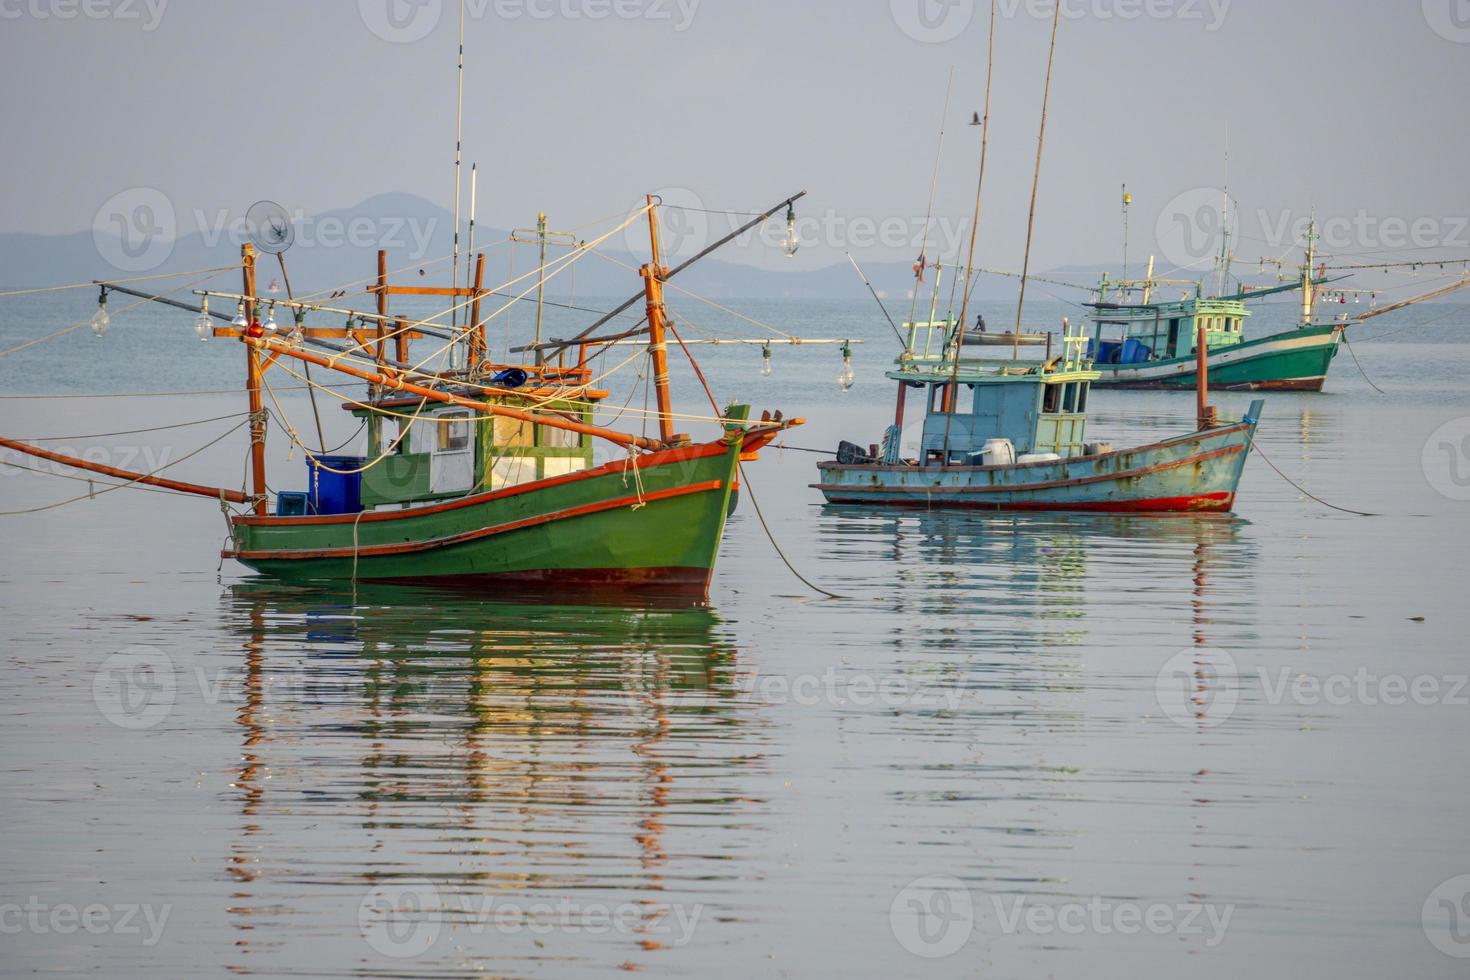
998,452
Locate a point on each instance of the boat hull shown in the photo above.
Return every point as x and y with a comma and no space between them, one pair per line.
1198,472
1297,360
655,527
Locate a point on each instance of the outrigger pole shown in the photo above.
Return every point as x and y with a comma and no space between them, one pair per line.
395,382
218,493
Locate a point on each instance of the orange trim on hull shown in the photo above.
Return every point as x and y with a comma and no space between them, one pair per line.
373,551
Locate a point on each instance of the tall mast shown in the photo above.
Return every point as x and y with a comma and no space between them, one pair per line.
458,142
1223,263
1035,184
653,290
1127,200
253,384
933,185
541,281
959,334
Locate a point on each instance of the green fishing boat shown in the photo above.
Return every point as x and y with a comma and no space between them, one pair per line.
477,474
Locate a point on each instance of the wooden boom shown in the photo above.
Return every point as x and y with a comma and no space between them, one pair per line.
397,383
233,496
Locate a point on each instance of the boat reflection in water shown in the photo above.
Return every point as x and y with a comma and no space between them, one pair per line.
456,775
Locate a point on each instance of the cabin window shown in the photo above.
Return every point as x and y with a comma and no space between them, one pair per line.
1082,388
1050,399
1069,398
454,432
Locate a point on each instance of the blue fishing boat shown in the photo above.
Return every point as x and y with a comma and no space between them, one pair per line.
1011,435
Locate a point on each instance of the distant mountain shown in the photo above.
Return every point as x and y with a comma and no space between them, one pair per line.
339,247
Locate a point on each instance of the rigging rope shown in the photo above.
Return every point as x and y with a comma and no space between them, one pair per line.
119,486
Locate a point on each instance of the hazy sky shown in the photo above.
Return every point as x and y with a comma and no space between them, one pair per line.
1356,108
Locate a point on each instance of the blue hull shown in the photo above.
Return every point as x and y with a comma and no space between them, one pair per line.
1196,472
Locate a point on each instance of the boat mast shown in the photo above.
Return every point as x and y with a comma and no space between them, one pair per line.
458,143
653,290
952,391
1035,184
253,384
1309,291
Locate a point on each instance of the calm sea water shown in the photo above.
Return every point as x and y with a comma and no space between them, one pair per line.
1019,746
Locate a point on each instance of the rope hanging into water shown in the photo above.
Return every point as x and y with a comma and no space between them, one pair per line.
1360,366
1303,490
771,536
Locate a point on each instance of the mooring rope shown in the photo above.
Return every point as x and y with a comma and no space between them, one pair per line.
1304,490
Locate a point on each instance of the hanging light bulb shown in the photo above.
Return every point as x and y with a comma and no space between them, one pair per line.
270,325
100,320
792,243
203,323
846,378
765,360
297,335
240,319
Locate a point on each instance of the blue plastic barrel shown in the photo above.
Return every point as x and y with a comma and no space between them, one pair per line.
334,493
1134,352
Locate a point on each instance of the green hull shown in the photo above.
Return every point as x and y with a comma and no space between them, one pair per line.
1297,360
654,528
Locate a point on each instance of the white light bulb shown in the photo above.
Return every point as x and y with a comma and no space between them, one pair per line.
765,362
101,320
846,378
270,325
203,325
240,320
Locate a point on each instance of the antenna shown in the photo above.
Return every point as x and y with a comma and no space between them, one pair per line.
1035,184
933,184
1223,263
